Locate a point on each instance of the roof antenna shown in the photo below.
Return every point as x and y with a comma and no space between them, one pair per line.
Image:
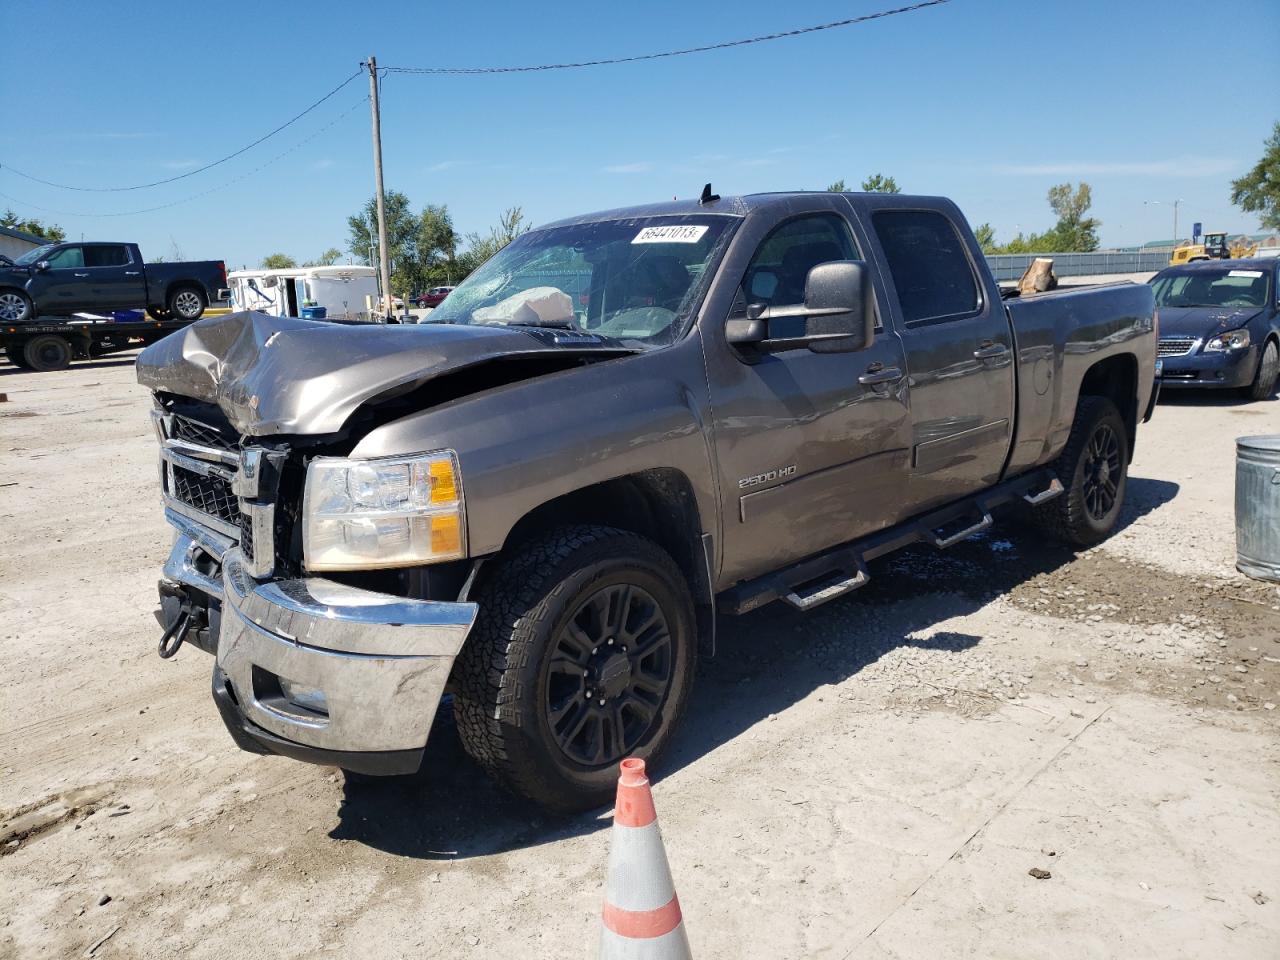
708,196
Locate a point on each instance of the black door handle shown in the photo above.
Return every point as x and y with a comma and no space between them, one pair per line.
989,350
878,373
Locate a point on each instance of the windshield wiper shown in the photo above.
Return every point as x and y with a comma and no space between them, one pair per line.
545,324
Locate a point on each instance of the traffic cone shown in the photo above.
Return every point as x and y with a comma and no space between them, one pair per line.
642,918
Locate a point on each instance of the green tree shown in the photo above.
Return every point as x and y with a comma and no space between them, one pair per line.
326,259
278,261
481,247
986,237
880,184
437,245
837,187
50,232
1258,191
402,234
1074,232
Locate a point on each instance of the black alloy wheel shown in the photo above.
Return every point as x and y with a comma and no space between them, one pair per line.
609,675
1102,468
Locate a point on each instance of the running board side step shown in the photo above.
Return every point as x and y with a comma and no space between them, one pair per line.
826,576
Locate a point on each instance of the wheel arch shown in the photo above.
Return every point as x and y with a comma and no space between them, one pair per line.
1116,378
659,504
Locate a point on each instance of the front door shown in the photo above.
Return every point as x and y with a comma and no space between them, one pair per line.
63,287
959,356
808,457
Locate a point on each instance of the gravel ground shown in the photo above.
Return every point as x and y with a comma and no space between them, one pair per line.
875,779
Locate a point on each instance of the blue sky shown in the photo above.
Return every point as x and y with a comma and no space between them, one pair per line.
987,101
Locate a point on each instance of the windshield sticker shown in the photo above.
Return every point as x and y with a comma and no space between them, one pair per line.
1245,273
687,233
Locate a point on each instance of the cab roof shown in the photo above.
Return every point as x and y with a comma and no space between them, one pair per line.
737,206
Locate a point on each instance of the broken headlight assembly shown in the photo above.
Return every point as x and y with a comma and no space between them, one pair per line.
390,512
1231,340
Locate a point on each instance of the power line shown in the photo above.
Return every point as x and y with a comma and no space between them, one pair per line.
189,173
204,193
461,71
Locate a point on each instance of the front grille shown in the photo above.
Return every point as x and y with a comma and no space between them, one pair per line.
211,494
204,435
1175,346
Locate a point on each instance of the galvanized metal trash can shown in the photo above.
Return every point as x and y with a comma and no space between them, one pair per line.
1258,507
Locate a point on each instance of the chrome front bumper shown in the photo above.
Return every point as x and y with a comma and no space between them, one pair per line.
380,661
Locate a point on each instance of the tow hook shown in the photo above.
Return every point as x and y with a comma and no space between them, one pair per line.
189,615
172,638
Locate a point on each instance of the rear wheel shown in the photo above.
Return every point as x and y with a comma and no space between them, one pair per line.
186,303
1094,468
47,352
15,306
1264,381
582,655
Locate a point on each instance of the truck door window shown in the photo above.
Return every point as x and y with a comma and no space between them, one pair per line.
777,273
929,265
67,258
106,255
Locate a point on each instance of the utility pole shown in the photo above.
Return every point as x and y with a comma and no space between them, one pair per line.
384,255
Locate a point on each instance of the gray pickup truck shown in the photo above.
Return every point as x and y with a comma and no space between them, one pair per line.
621,427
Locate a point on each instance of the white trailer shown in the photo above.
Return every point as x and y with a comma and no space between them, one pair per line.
345,292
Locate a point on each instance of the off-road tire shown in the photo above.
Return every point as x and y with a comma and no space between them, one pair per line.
14,353
1068,516
1264,381
186,303
501,678
47,352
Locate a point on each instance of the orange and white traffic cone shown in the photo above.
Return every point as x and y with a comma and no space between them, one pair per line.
642,918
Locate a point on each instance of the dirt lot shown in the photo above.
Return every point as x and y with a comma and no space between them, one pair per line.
873,780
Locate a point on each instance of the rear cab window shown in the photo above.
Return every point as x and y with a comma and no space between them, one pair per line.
106,255
929,266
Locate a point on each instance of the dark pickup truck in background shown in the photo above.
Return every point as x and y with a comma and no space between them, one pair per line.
621,427
60,279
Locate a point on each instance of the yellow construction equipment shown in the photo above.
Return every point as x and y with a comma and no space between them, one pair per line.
1214,247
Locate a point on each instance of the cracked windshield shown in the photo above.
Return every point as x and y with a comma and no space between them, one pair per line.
635,280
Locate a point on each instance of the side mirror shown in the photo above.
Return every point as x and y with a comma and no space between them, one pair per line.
42,266
838,311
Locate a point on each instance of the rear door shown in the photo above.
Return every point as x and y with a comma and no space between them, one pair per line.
808,456
117,283
959,354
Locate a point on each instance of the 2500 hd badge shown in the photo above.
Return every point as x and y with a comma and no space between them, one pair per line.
769,477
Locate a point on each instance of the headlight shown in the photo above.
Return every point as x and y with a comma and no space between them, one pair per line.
1232,340
372,514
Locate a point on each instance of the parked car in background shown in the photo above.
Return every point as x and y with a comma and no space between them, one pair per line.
59,279
1220,325
434,297
541,502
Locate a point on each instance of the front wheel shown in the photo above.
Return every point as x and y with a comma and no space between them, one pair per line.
15,306
1094,468
1264,381
582,654
186,304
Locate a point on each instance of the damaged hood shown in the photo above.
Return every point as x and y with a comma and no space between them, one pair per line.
282,375
1203,322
